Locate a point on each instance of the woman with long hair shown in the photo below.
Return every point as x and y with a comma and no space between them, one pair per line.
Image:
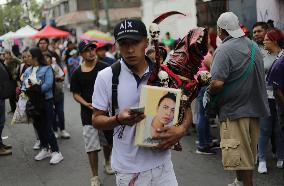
38,82
273,43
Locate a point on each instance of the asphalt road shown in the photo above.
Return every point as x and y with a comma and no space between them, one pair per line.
20,169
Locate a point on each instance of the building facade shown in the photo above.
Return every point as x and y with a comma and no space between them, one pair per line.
177,25
79,16
248,12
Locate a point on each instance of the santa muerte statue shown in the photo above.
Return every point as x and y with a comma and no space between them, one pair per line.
182,66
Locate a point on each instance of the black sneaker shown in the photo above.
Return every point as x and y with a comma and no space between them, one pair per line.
5,152
214,139
215,146
2,145
206,151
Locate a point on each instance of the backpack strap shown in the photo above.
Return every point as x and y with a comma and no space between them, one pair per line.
116,67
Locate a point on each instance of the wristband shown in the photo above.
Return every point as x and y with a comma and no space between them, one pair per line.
117,120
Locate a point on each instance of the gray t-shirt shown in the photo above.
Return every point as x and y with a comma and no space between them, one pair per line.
248,98
262,51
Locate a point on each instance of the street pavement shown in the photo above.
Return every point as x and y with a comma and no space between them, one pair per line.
20,169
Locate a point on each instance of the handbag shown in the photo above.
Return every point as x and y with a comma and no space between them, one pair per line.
211,108
35,103
31,110
20,115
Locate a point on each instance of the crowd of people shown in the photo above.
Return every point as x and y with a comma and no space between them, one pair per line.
243,75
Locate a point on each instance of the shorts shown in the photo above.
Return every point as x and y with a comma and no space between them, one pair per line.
91,138
239,140
162,175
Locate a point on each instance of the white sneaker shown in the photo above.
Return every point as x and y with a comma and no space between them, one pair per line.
56,157
95,181
262,167
44,153
107,168
279,164
36,145
236,183
64,134
56,135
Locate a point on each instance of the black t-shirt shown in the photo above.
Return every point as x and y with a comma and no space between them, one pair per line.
83,84
67,55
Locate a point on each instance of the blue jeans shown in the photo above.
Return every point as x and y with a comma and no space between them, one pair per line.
59,119
280,133
43,126
203,127
2,117
268,126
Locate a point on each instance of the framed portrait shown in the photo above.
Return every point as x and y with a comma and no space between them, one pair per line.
161,110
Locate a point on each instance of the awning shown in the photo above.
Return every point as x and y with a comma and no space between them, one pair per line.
115,14
75,18
25,32
8,35
50,31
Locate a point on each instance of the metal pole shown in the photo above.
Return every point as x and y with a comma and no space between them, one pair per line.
46,5
106,7
96,12
28,10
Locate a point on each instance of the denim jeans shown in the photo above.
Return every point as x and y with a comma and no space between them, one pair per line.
203,127
2,117
268,126
43,126
59,119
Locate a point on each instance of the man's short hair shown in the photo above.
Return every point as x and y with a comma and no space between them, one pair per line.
262,24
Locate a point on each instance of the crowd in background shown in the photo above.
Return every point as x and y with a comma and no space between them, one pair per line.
42,71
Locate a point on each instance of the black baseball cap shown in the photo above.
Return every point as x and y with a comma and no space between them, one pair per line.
85,44
130,29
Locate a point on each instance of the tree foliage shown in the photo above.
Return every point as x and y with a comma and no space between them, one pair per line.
14,15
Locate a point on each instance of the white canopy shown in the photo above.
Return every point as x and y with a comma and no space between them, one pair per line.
8,35
25,32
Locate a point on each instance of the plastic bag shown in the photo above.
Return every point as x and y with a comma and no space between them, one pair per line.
20,116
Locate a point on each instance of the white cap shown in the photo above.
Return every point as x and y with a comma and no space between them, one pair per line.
230,22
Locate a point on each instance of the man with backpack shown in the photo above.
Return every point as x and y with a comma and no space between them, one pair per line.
117,88
82,85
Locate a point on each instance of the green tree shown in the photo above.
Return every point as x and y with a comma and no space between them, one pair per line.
15,15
